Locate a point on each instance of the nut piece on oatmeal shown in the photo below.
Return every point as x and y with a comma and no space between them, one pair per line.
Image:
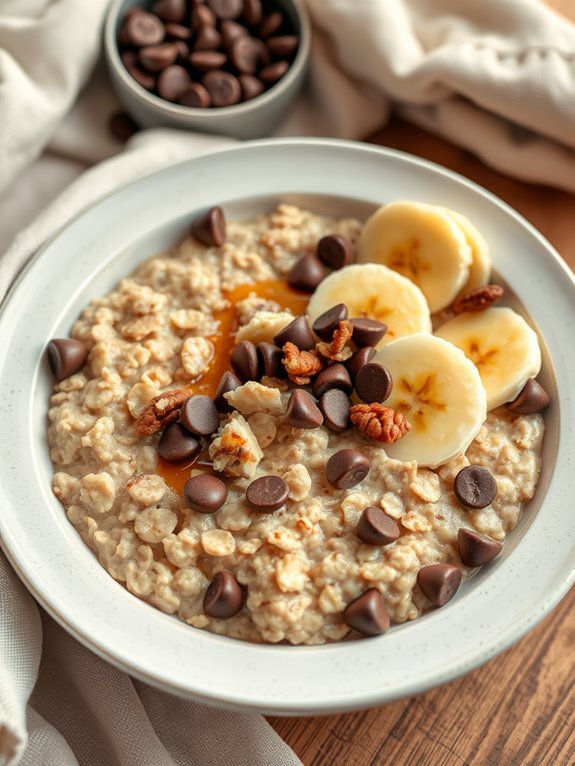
300,365
161,411
253,397
196,355
379,422
263,326
338,349
235,450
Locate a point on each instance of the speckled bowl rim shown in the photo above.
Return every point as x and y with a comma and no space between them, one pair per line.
489,613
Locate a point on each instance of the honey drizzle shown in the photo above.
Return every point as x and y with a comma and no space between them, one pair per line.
278,290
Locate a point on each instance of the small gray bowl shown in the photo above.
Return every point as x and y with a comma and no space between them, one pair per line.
250,119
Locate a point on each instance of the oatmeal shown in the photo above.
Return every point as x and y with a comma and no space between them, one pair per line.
276,475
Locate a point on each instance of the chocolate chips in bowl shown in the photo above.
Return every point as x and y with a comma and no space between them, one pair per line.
222,66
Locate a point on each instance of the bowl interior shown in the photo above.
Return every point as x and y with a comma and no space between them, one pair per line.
146,218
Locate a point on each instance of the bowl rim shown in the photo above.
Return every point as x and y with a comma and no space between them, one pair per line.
156,103
464,662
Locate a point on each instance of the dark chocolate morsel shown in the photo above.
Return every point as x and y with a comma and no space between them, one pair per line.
205,60
267,494
362,356
271,357
367,332
228,382
207,39
270,24
199,415
373,383
326,324
210,228
176,444
439,582
302,411
475,487
306,274
297,332
335,405
226,9
475,550
223,87
334,376
195,96
173,81
224,597
246,54
66,356
376,528
367,613
251,86
282,46
245,361
141,29
274,72
205,493
170,10
532,398
346,468
154,58
333,250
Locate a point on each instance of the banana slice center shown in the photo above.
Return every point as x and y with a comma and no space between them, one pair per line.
480,354
406,259
418,397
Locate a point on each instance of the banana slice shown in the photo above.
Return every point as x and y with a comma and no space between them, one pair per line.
480,268
440,393
502,346
374,291
421,242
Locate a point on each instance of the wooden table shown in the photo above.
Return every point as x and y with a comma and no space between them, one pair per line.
519,709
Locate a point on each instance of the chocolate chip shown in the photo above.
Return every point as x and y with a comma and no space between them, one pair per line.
475,487
142,29
202,16
533,398
223,87
230,31
334,250
251,86
439,582
200,416
367,332
245,361
346,468
66,356
282,46
205,493
327,323
334,405
373,383
224,597
157,57
334,376
170,10
361,357
271,357
195,96
206,60
475,550
246,54
267,494
376,528
173,81
252,12
297,332
122,126
270,24
228,382
143,78
208,39
306,274
178,31
274,72
176,444
129,58
226,9
210,228
367,613
302,411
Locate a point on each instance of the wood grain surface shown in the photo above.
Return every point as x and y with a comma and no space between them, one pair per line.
519,709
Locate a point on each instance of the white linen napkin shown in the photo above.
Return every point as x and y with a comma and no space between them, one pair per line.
495,77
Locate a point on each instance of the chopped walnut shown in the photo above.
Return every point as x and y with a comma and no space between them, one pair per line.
379,422
338,350
235,450
161,411
263,326
196,355
479,299
253,397
301,365
249,306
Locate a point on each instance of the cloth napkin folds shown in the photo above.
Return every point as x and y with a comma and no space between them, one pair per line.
495,77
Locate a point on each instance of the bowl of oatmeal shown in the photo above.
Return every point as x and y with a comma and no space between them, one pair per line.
315,468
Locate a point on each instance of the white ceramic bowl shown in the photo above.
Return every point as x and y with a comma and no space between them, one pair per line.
104,243
250,119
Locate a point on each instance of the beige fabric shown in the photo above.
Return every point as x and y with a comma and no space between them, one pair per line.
495,77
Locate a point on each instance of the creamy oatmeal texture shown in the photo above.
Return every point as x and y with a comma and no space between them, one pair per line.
303,564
